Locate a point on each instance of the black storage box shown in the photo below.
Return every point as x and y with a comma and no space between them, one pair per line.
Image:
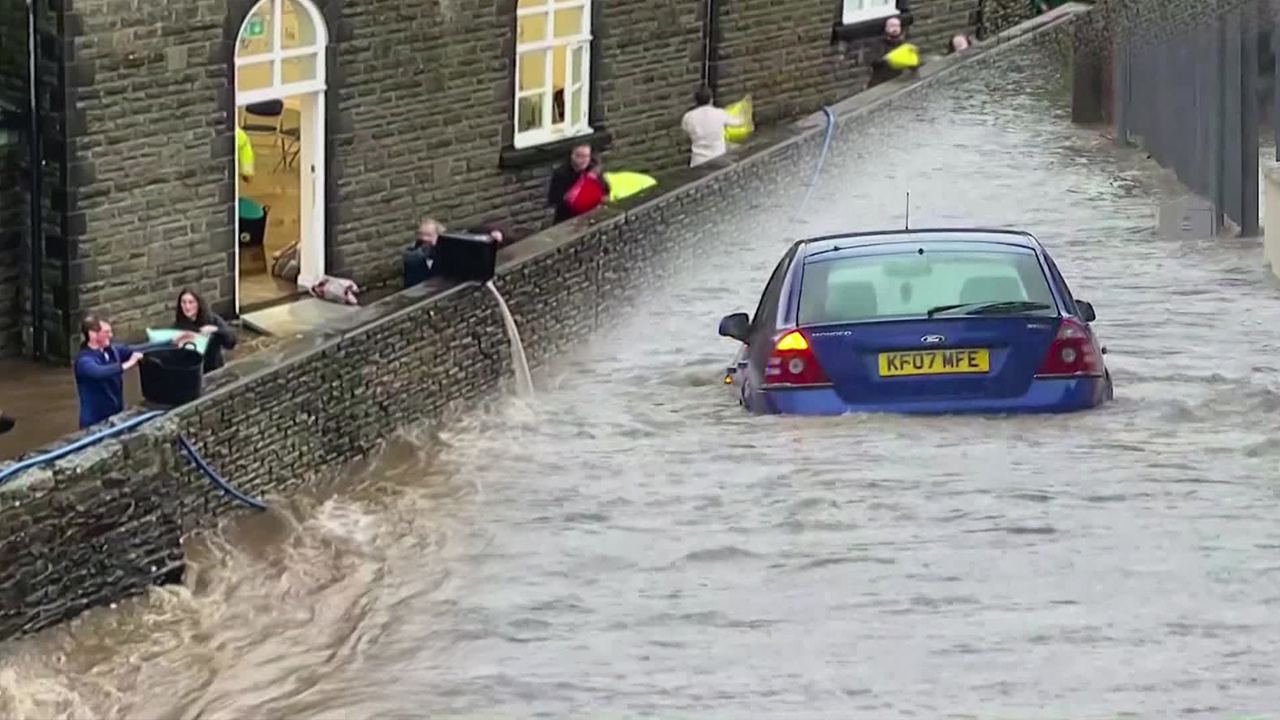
171,376
465,256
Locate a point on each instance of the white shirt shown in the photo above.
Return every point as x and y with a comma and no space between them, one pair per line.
705,126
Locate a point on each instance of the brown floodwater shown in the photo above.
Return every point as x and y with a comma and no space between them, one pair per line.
627,543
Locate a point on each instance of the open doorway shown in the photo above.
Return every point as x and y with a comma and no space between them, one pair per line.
280,84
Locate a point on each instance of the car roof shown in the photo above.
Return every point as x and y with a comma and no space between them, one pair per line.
956,237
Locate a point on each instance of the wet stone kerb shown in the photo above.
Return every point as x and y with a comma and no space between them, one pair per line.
107,522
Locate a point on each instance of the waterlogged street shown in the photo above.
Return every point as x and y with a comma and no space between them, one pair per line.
630,543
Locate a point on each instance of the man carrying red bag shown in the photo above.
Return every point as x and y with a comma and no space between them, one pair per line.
577,186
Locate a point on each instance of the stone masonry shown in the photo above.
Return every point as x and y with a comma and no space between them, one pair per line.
107,522
419,119
12,204
13,46
15,237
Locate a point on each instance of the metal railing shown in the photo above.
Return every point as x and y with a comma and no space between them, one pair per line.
1186,90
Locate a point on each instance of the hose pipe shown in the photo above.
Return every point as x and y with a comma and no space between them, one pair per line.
822,158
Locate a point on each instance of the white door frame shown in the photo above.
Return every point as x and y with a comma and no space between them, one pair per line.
312,140
311,190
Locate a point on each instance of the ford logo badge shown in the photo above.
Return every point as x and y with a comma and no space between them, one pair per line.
932,339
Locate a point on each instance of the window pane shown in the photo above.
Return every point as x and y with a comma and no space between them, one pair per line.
909,285
253,77
530,3
568,22
529,112
298,69
579,63
576,116
533,70
559,67
256,35
531,28
296,28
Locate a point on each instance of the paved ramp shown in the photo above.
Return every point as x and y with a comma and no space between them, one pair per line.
297,317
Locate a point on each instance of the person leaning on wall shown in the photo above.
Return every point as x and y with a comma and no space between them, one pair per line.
416,260
577,185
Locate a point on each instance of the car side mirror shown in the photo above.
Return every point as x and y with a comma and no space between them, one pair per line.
736,326
1087,312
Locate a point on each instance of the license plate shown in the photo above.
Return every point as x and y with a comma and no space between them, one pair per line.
935,362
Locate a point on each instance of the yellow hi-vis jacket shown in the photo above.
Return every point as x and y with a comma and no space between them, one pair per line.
244,153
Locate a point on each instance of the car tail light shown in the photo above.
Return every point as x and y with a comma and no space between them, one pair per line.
792,363
1073,352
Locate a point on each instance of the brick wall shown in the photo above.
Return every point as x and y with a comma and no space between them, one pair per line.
105,524
419,111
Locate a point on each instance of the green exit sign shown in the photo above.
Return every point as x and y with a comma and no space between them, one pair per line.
254,28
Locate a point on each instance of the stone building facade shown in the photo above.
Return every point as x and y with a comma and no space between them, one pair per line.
13,214
410,106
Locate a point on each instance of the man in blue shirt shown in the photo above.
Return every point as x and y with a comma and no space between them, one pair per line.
100,369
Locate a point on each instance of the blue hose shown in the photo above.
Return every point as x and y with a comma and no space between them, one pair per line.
217,480
77,445
822,158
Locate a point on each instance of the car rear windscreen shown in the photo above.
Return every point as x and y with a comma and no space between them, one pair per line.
870,287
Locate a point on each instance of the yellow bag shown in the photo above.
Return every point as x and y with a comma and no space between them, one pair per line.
740,109
902,57
623,183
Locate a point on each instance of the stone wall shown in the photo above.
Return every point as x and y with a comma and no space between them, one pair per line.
149,190
13,46
15,238
106,523
418,120
13,202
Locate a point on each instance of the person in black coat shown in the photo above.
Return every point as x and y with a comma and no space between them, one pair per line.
192,315
890,40
582,161
416,260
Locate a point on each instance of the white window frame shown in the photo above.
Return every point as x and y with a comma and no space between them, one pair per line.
278,88
860,11
571,127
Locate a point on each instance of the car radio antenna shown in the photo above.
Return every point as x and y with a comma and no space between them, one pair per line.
908,221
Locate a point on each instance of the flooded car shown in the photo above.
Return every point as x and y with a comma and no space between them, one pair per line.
930,320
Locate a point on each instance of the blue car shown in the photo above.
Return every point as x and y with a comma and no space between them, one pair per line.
925,321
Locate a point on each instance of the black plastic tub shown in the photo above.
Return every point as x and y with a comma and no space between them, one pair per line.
171,376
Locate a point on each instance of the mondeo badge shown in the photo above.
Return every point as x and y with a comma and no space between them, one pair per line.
932,339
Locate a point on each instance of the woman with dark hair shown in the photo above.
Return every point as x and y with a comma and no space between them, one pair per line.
193,315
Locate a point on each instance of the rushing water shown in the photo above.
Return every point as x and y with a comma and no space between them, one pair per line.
630,542
519,363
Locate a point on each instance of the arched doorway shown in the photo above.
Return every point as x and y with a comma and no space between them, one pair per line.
279,98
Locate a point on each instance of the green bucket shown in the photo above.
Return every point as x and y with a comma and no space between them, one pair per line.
250,209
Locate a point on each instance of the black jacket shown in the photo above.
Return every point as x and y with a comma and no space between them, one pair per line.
225,337
562,179
415,262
